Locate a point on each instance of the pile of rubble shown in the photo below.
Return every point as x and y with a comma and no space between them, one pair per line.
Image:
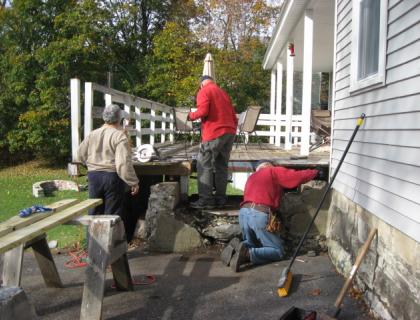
170,226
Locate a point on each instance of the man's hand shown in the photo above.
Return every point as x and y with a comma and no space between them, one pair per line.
135,190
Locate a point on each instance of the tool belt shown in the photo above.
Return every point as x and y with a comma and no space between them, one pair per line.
256,206
273,222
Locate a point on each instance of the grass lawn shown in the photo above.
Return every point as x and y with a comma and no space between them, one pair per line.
16,194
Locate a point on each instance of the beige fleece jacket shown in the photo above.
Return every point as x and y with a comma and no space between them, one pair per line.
107,149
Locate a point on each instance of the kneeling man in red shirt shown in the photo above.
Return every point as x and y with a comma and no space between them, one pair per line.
263,192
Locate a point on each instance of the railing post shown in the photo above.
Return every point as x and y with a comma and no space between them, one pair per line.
152,124
75,116
279,102
138,123
108,99
171,127
88,107
163,135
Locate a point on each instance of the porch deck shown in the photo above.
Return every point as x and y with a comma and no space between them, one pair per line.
180,158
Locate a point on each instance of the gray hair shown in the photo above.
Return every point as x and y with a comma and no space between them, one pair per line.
111,114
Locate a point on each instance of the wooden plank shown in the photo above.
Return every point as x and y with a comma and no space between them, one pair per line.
399,121
12,267
46,263
17,237
17,222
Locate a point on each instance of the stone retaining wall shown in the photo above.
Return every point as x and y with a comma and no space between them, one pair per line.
389,276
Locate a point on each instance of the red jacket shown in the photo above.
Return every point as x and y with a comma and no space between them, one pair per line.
218,117
266,185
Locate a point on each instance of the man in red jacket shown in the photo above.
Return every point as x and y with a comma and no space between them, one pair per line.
218,129
263,192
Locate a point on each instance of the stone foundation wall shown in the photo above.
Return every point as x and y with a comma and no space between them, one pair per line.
389,276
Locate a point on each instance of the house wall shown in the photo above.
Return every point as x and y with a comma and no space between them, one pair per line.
379,182
382,170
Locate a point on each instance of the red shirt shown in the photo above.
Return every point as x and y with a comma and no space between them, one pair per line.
266,185
218,117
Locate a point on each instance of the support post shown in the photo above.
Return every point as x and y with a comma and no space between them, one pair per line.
307,81
289,100
75,116
88,107
183,185
12,266
46,263
279,101
273,139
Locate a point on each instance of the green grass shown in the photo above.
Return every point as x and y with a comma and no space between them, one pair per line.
16,194
192,188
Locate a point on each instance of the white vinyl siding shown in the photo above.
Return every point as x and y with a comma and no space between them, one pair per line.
369,27
381,172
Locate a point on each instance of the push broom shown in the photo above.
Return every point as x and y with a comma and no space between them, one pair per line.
285,280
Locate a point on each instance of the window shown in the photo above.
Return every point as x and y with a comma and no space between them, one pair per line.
368,43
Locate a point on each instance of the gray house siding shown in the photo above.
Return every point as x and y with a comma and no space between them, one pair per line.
381,173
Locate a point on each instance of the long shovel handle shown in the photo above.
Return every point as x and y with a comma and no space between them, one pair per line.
358,124
353,271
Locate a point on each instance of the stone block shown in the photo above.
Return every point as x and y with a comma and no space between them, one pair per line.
339,257
171,235
166,193
224,232
140,231
404,247
14,304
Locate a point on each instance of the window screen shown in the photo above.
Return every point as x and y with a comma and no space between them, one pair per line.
369,38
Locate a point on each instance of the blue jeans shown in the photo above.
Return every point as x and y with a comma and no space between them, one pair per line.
264,247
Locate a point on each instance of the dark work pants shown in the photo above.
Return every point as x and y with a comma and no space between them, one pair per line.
212,168
109,187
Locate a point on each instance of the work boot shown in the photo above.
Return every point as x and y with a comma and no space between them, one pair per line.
229,250
240,257
200,204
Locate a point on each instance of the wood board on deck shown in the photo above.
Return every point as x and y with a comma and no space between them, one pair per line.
17,237
251,153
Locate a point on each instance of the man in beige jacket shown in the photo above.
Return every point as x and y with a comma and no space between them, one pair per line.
107,155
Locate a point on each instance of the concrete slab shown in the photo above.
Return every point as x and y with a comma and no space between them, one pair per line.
194,286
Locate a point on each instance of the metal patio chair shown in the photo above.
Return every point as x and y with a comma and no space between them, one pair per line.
247,124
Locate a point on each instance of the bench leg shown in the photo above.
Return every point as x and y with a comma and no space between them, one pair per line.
12,267
46,263
122,274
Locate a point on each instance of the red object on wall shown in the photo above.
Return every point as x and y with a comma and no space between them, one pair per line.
292,49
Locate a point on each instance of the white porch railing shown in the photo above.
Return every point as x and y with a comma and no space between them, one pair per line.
150,121
275,128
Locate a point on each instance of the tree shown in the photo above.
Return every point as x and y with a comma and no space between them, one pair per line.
174,66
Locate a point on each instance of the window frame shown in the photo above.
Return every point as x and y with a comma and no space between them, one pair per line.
378,79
